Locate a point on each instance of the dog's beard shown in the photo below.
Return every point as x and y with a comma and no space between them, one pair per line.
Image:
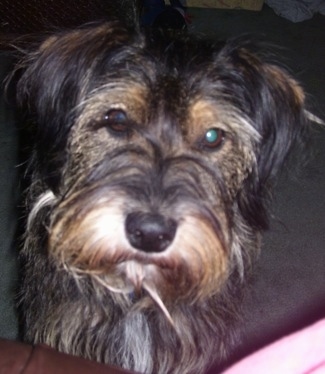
89,239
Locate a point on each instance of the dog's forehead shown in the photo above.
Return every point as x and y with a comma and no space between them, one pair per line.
165,71
138,81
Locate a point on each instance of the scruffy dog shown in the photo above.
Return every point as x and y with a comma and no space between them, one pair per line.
151,171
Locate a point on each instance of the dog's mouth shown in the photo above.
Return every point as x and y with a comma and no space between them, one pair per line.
132,279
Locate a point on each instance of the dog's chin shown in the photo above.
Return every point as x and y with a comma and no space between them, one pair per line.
131,281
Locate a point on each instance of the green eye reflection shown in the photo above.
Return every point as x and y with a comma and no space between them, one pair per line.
213,138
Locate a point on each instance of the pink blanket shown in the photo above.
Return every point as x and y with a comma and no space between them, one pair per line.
300,353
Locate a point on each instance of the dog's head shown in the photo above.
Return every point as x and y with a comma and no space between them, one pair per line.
156,155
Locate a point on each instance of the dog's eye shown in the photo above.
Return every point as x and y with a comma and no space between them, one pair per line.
116,121
213,138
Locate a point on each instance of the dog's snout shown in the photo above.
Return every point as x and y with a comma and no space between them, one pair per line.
150,232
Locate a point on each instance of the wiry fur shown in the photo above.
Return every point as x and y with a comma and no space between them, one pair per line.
86,290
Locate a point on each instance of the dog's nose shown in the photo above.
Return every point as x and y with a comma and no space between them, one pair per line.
149,232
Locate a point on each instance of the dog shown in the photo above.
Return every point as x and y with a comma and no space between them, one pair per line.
151,173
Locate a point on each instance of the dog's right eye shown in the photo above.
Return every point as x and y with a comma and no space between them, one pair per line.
116,121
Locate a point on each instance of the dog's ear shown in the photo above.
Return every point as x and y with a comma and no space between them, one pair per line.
277,111
55,76
280,120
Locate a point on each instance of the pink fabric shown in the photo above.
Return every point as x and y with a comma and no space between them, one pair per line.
300,353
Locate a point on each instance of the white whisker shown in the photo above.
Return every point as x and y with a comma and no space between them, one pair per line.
46,199
154,295
313,118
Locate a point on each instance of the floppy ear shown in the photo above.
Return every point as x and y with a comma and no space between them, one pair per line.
283,122
55,77
279,117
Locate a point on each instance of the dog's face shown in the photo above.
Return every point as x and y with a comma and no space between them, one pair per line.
156,157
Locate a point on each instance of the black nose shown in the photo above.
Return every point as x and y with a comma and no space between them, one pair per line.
149,232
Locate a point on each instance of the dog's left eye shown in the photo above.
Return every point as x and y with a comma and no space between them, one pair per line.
213,138
117,122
